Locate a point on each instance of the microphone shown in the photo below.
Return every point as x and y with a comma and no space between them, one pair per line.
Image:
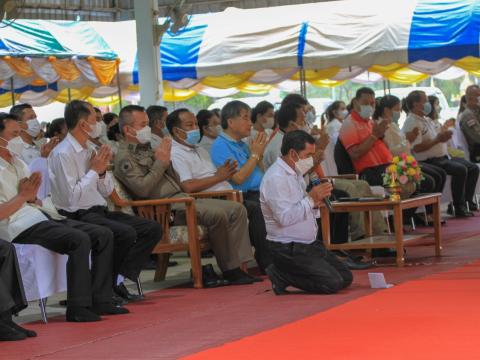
315,182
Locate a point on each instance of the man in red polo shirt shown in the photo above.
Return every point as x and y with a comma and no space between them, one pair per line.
362,138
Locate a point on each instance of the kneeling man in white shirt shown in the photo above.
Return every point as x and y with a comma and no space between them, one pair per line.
290,213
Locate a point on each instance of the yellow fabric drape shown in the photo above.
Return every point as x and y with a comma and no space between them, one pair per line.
470,64
104,70
172,94
76,94
327,83
256,89
227,81
106,101
66,69
403,75
6,99
20,66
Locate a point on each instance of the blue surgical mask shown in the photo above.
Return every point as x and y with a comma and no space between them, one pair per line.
395,116
427,108
193,136
366,111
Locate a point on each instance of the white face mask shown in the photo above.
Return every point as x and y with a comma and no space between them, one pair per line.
96,131
342,114
302,166
217,130
14,146
366,111
144,135
310,118
34,127
269,123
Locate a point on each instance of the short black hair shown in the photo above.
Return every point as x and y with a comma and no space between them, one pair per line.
364,90
18,110
261,108
173,119
294,99
113,131
108,117
287,113
296,140
55,127
125,116
155,113
76,110
414,97
203,118
232,110
4,117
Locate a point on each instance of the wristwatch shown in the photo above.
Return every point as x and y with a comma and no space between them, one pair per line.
255,156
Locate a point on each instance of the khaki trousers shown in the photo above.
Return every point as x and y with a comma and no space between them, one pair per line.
227,225
360,188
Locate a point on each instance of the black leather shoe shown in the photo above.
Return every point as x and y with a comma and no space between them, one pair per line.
237,277
254,278
278,285
109,309
210,278
462,212
81,314
357,265
15,326
122,291
384,253
345,254
472,206
7,333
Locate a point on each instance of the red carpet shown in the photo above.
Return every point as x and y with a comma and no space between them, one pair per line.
433,318
182,321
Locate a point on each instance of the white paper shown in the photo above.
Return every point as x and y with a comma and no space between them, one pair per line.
377,281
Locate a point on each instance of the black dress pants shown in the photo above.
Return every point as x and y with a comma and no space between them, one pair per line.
133,237
310,267
339,223
12,295
81,242
256,229
464,177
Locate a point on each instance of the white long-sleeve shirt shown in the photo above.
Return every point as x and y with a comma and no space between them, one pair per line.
74,185
287,209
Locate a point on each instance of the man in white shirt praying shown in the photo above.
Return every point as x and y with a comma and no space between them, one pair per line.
80,182
23,220
299,260
31,147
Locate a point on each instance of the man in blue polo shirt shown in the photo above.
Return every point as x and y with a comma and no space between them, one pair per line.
236,124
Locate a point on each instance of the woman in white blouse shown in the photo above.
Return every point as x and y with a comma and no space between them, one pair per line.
335,114
210,128
388,109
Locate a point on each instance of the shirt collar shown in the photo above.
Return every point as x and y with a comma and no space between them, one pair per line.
75,144
4,163
356,116
176,144
286,167
229,138
27,145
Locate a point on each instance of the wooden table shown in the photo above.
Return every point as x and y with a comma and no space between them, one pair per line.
396,240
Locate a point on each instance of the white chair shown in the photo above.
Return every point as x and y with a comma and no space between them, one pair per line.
44,273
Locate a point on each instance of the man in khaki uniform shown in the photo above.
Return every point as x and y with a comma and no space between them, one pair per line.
148,174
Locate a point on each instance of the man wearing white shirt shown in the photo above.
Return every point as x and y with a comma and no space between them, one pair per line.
24,221
80,183
32,149
157,118
299,260
430,146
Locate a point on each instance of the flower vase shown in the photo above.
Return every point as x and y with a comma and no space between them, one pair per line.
406,190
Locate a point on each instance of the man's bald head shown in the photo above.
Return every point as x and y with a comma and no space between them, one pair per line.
472,95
